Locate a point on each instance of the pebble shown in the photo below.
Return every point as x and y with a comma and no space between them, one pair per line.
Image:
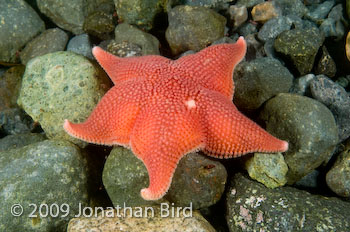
347,46
238,15
326,64
292,7
301,85
10,84
264,12
249,3
99,24
321,11
81,44
307,125
272,28
124,49
20,140
15,121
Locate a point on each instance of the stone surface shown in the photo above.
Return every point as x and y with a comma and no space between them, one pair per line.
15,121
156,222
301,85
253,207
307,125
265,11
336,99
292,7
81,44
51,40
10,83
48,172
310,181
58,86
347,45
268,169
138,12
128,33
19,23
99,24
326,64
193,28
259,80
300,46
338,177
124,49
248,3
332,28
20,140
321,11
272,28
238,15
216,4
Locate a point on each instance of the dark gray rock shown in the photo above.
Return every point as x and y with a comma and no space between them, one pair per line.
247,28
99,24
254,48
320,11
15,121
310,181
238,15
333,26
81,44
217,4
51,40
301,85
336,99
300,46
272,28
248,3
124,49
193,28
253,207
326,64
10,84
343,81
48,172
18,25
307,125
259,80
292,7
19,140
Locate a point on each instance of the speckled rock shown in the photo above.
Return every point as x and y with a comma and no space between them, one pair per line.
81,44
51,40
307,125
253,207
265,11
19,23
268,169
338,177
15,121
254,48
99,24
48,172
110,222
20,140
292,7
321,11
247,28
301,85
128,33
138,12
193,28
248,3
334,26
124,49
197,180
10,83
58,86
272,28
259,80
216,4
326,64
300,46
336,99
238,15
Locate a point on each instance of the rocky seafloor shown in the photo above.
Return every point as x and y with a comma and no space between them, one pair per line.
294,82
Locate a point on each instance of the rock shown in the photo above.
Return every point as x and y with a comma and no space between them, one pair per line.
216,4
110,221
58,86
336,99
99,24
332,28
301,85
321,11
268,169
292,7
51,40
19,140
48,172
138,12
18,25
254,48
300,46
15,121
272,28
309,181
124,49
68,15
326,64
343,81
193,28
348,7
259,80
347,45
247,28
307,125
264,12
127,33
198,181
248,3
238,15
10,84
81,44
253,207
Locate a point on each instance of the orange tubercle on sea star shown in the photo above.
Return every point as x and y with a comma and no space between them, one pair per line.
163,109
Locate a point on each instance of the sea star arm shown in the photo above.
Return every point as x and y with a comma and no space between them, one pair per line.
160,139
113,118
229,132
213,66
119,69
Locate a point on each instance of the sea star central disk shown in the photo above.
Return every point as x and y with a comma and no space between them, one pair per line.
163,109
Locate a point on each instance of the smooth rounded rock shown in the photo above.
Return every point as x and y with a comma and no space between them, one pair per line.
81,44
20,140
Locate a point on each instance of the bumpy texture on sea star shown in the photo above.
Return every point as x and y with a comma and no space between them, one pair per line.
163,109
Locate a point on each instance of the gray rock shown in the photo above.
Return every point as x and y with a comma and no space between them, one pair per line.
301,85
15,121
58,86
19,23
253,207
19,140
309,181
139,13
292,7
338,177
238,15
128,33
336,99
300,46
217,4
99,24
343,81
248,3
48,172
51,40
272,28
10,84
326,64
307,125
193,28
247,28
124,49
259,80
254,48
321,11
81,44
332,28
337,13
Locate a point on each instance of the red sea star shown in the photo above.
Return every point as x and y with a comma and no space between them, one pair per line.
163,109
